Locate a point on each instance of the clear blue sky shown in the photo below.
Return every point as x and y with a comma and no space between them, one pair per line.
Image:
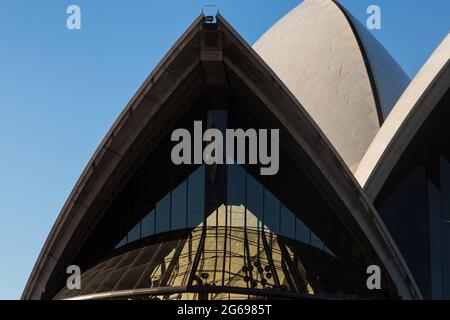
61,90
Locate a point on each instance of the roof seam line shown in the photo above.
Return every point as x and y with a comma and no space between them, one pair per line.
365,57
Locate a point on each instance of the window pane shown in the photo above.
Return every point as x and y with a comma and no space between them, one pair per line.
163,214
434,205
446,258
148,224
303,233
121,243
287,223
135,233
271,212
236,185
316,242
254,202
196,197
179,198
445,226
236,195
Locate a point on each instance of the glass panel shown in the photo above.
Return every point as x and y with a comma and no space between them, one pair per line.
445,225
408,202
236,185
446,258
303,233
196,197
434,204
148,224
287,223
218,217
254,202
135,233
179,199
271,212
122,243
163,214
316,242
327,250
236,195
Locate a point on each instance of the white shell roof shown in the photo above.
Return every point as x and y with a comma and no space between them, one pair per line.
315,52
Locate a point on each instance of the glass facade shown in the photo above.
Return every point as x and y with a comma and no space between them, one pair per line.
223,231
179,209
415,204
249,206
389,78
222,257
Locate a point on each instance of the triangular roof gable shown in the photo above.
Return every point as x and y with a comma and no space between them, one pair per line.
195,63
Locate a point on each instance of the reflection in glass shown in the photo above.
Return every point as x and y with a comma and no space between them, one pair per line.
445,223
287,223
255,192
414,203
179,200
271,212
233,257
236,185
303,233
196,197
249,205
148,224
163,214
181,208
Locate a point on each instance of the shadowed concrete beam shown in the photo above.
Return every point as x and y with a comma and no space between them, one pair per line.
211,56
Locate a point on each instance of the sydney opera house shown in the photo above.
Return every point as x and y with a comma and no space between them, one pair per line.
364,174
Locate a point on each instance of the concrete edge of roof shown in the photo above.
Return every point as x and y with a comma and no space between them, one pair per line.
405,119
